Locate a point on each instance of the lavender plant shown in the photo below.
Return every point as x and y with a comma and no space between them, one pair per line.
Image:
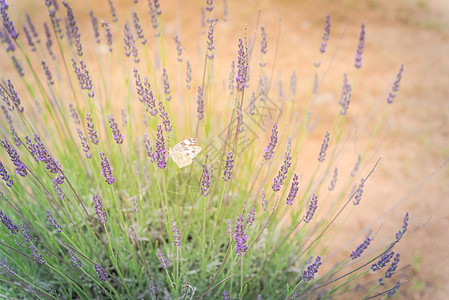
91,206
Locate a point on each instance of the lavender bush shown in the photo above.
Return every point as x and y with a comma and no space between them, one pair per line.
92,205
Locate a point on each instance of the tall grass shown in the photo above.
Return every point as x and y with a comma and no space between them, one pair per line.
93,206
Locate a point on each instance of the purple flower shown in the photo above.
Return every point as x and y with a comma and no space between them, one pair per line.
138,28
242,67
394,289
402,231
311,270
117,135
101,272
209,5
7,23
107,29
395,87
393,267
240,125
225,295
53,222
360,248
166,85
14,97
112,10
264,200
385,259
13,228
164,115
74,260
5,267
356,166
74,114
91,129
49,41
20,167
148,148
84,143
361,46
334,180
82,74
26,233
293,190
29,38
345,97
282,175
269,150
252,104
311,209
130,44
160,155
37,257
210,39
178,48
206,177
18,66
324,147
57,188
326,33
94,22
240,236
200,101
358,193
99,210
188,75
74,29
106,169
229,227
176,236
5,176
228,167
164,263
251,217
263,41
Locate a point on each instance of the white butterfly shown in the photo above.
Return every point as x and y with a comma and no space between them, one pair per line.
184,152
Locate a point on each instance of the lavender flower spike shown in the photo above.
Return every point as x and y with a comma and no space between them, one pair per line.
53,222
312,208
74,260
240,236
402,231
360,248
293,190
361,46
200,101
282,175
162,259
117,135
326,33
20,167
160,155
324,147
225,295
6,268
206,179
395,87
14,97
106,169
228,167
7,23
166,85
13,228
176,236
165,119
101,213
101,272
393,266
385,259
358,193
269,150
242,67
91,129
334,180
311,270
5,176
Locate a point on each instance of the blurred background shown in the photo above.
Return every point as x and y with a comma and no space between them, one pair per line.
409,32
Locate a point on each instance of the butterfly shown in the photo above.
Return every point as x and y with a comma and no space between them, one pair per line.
184,152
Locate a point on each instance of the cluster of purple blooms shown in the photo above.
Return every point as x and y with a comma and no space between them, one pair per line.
101,213
13,228
282,175
53,222
101,272
240,237
312,269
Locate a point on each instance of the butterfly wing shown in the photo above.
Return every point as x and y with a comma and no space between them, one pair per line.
184,152
182,159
